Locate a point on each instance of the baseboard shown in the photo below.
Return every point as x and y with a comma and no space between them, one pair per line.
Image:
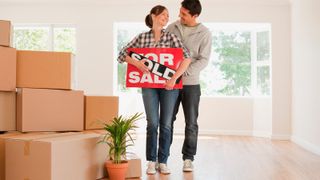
264,134
218,132
306,145
281,137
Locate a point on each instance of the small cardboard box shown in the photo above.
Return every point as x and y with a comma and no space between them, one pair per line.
49,110
134,168
99,110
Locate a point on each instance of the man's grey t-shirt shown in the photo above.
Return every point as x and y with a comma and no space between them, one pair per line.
198,40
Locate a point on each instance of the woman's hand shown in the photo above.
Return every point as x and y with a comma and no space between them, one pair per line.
139,64
142,67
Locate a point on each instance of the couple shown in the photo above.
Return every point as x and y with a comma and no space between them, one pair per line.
195,40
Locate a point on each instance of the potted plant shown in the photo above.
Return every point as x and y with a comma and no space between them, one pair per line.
118,136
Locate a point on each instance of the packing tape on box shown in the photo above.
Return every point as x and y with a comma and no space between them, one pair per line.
27,148
27,142
100,132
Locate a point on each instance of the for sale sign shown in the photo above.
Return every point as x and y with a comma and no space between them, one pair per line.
161,62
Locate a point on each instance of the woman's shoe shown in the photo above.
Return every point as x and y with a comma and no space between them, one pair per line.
164,169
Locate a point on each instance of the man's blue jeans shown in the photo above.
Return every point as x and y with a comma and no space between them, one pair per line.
189,97
152,100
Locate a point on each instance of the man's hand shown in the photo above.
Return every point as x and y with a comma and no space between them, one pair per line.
170,83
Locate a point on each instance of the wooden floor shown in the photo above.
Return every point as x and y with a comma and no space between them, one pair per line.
238,158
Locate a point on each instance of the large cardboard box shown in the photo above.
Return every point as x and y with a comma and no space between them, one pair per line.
64,157
8,63
9,135
99,110
49,110
42,69
5,33
7,111
2,152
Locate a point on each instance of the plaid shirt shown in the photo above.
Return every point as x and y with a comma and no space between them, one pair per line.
146,39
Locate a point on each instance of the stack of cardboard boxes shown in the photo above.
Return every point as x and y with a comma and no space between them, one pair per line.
7,79
44,102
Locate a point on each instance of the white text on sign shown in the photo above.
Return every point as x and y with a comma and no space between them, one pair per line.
157,66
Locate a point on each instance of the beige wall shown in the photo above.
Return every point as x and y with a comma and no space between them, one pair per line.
305,73
95,59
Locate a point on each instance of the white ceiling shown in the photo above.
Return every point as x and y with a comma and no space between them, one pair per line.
128,2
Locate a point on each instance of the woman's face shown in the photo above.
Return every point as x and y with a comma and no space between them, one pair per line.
161,19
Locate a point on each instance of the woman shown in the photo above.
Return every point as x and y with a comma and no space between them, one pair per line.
153,98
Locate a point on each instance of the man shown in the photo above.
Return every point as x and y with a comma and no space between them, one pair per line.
197,38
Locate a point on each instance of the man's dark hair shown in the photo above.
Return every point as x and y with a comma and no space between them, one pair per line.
194,6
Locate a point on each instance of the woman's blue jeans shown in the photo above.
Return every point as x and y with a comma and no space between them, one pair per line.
159,105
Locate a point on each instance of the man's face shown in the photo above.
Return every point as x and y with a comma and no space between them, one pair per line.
185,16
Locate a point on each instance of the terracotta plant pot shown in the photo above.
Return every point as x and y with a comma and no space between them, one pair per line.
117,171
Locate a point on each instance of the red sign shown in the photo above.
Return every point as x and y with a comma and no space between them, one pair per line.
162,63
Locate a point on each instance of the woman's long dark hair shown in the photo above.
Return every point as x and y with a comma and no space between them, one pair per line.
156,11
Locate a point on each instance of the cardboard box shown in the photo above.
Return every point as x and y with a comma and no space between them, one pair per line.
9,135
49,110
99,110
64,157
5,33
134,168
42,69
8,61
7,111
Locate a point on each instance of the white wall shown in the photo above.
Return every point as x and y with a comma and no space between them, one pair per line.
94,21
262,117
229,116
305,73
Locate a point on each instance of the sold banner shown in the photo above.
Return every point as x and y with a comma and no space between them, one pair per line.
161,62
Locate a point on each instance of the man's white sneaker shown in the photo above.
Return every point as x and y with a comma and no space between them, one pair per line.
151,168
187,165
164,169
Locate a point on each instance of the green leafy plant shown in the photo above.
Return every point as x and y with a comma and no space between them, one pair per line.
119,135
